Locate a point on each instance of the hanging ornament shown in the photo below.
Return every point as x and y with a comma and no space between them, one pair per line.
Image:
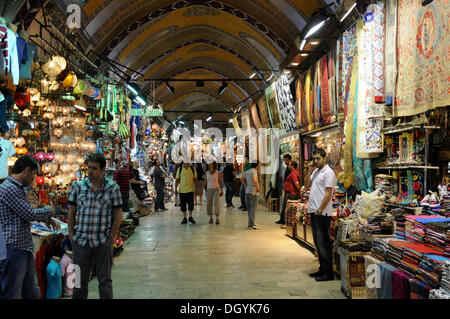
26,113
40,180
35,95
22,98
54,66
80,88
67,83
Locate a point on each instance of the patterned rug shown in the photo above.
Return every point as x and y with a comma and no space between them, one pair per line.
423,57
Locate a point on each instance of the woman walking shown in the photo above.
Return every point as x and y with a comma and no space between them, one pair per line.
251,184
213,181
200,187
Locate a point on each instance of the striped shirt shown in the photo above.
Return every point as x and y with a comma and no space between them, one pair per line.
4,47
94,211
122,177
16,215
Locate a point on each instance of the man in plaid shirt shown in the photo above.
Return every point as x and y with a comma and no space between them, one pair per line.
17,278
97,202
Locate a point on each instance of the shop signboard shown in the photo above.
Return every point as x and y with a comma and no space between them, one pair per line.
146,112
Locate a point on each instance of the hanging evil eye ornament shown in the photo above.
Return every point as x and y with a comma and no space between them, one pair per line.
369,16
147,132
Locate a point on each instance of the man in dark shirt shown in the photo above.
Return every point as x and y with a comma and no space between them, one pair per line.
123,177
159,177
229,177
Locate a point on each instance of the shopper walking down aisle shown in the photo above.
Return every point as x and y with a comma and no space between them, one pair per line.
159,177
213,182
322,180
123,177
134,168
251,184
187,182
287,171
97,202
199,189
246,166
229,177
291,187
17,277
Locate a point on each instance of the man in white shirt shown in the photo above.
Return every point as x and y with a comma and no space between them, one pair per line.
322,180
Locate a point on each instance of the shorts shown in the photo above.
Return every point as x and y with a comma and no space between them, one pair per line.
187,199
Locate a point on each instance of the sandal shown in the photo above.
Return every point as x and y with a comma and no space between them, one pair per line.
211,220
217,222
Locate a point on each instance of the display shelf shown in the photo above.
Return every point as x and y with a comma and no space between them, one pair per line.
408,128
400,166
323,128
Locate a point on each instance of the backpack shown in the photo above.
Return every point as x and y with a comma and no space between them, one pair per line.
179,171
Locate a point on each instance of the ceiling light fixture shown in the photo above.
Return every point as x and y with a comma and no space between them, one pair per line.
140,100
302,45
170,88
132,88
209,118
223,87
304,54
295,64
231,120
270,78
348,12
315,42
253,75
317,21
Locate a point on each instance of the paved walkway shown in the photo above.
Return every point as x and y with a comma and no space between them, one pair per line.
164,259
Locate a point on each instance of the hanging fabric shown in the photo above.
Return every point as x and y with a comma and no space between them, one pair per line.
422,57
325,109
390,54
369,142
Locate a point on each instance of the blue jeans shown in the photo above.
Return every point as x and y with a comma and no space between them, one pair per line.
17,278
229,192
242,194
251,205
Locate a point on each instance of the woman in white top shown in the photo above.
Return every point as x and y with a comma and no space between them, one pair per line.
213,181
251,184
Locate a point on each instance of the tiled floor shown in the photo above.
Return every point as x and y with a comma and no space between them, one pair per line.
164,259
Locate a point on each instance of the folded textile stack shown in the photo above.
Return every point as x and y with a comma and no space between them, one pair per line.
447,243
430,269
400,227
415,226
446,205
412,256
439,294
445,277
380,247
356,246
385,183
435,235
394,252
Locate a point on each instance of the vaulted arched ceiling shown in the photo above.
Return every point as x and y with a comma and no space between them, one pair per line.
195,39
